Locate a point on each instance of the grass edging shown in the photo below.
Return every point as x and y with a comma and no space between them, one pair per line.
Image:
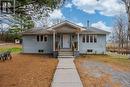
54,73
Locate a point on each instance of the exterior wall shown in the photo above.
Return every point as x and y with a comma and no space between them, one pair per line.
31,45
98,48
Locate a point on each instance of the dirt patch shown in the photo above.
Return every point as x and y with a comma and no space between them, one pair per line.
27,71
103,72
10,45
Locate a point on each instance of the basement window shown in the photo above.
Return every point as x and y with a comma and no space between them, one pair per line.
40,51
89,50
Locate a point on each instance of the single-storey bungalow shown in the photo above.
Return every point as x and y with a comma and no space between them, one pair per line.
65,39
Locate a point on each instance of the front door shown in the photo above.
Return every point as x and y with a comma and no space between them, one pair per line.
66,41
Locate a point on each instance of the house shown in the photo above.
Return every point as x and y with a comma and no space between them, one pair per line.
65,39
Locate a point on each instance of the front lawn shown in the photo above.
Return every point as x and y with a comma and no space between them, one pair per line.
27,71
14,48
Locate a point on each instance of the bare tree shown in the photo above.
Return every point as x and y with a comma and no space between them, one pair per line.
127,5
120,30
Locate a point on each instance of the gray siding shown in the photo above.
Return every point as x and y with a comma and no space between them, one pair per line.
30,44
98,48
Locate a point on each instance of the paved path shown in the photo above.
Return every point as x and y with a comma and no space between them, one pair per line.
66,74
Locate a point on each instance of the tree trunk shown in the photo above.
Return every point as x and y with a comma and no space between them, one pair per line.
128,32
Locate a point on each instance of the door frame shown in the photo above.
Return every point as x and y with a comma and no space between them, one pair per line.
69,39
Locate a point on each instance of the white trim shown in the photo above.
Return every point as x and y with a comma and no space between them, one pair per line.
66,22
53,40
78,40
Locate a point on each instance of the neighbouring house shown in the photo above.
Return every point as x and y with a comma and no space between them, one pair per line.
65,39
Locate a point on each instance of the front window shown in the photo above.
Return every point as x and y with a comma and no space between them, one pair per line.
45,38
95,38
87,38
83,39
91,38
41,37
38,38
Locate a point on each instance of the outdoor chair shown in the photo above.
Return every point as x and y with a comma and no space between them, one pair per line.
5,55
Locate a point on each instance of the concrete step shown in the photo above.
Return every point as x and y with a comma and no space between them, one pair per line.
65,52
65,56
61,53
67,49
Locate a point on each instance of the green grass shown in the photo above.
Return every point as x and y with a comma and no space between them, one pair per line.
13,49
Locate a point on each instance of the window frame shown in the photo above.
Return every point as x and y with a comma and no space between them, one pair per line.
45,38
83,38
41,38
38,38
91,38
87,38
95,38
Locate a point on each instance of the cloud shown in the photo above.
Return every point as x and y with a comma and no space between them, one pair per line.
105,7
101,25
80,24
56,14
69,5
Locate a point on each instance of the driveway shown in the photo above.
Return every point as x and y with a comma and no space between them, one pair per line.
105,74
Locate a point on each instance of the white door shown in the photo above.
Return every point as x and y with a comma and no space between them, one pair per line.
66,41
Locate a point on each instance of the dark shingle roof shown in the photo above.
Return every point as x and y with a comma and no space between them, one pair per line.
45,30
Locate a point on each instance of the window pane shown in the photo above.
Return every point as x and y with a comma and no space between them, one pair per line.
37,38
95,38
87,38
45,38
83,39
91,38
41,37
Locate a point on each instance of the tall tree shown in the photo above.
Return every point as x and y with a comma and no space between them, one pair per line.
127,5
120,33
29,6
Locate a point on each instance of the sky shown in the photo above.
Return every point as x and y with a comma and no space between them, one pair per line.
100,13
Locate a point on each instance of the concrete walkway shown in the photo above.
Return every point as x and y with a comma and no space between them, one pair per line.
66,74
